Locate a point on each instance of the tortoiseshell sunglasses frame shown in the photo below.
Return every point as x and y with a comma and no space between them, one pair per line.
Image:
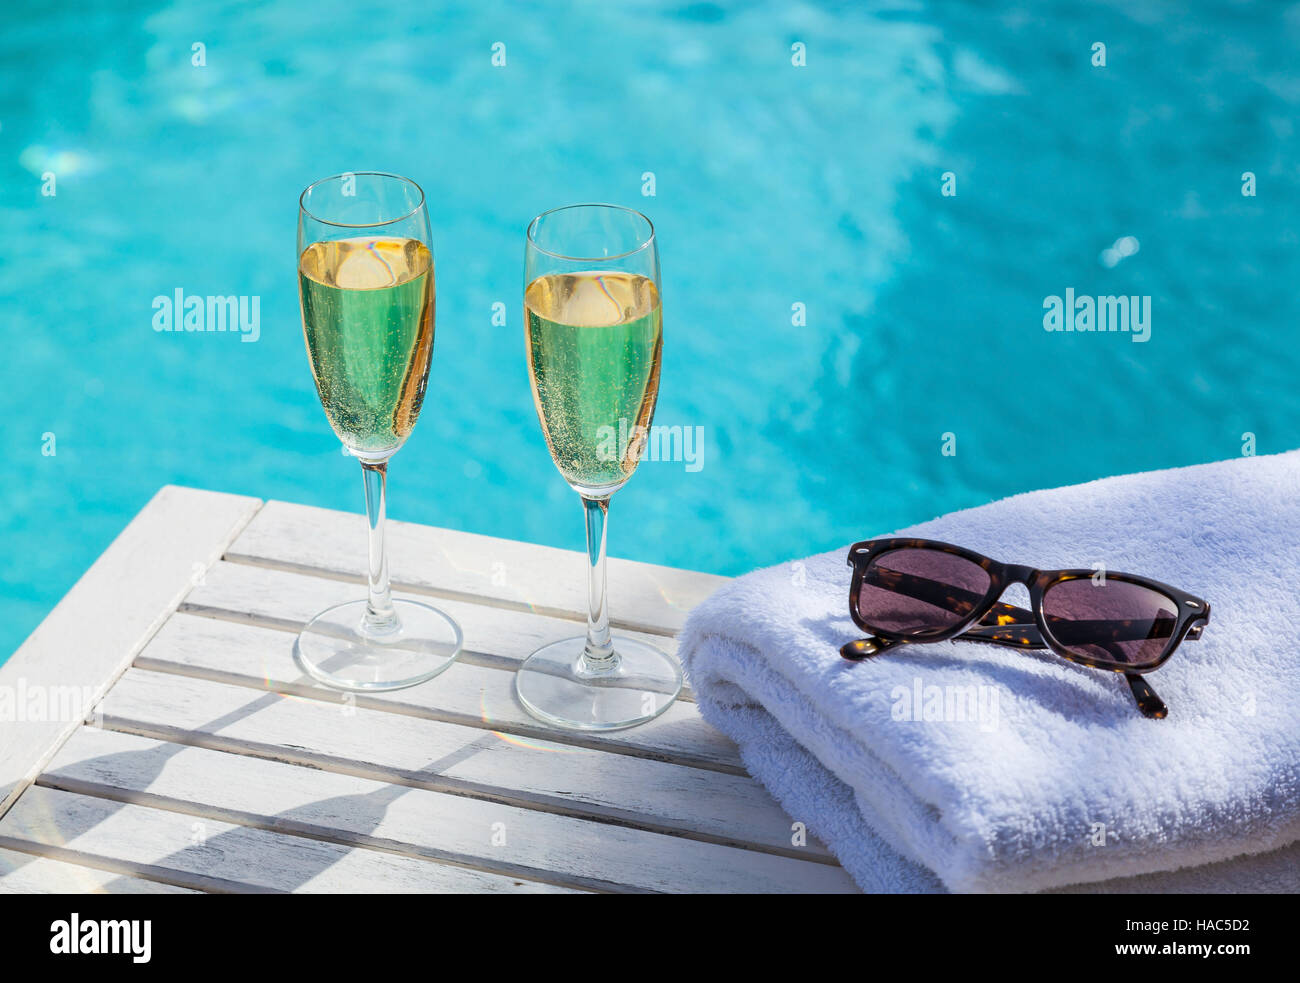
996,623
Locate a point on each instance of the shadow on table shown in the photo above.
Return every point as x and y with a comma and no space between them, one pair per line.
317,847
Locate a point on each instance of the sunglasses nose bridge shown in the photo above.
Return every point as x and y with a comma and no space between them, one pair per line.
1018,575
1008,578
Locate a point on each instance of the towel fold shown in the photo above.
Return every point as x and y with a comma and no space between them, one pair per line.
974,768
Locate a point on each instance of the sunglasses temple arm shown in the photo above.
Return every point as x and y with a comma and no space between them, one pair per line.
1013,636
1148,702
865,648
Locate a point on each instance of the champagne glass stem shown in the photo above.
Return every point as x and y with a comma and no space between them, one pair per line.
598,655
380,617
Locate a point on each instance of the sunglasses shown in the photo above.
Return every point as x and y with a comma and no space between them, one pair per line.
908,591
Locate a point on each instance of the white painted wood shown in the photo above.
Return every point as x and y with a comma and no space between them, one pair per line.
209,854
93,633
297,787
458,564
467,694
352,810
649,794
281,599
23,873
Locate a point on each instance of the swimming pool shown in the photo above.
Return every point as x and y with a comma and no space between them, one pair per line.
834,322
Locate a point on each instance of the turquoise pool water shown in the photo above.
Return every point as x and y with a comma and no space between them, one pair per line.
775,185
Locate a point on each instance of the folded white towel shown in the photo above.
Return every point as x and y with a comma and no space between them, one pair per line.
1058,780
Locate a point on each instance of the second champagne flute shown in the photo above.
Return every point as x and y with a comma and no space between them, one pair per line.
594,338
365,281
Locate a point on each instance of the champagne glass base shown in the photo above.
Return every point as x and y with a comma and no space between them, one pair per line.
555,688
335,650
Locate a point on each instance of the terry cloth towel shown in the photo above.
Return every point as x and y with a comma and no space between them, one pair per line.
1053,778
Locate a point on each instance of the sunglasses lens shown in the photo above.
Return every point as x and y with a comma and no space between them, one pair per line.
919,591
1110,620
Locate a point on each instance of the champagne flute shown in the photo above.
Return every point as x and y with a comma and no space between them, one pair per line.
366,286
594,338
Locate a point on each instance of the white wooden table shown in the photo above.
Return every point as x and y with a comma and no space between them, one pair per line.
161,738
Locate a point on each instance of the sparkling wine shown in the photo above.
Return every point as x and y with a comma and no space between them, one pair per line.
594,347
368,313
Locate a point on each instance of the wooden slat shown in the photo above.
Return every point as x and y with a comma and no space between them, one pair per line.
449,757
352,810
96,630
218,856
466,694
23,873
282,599
458,564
